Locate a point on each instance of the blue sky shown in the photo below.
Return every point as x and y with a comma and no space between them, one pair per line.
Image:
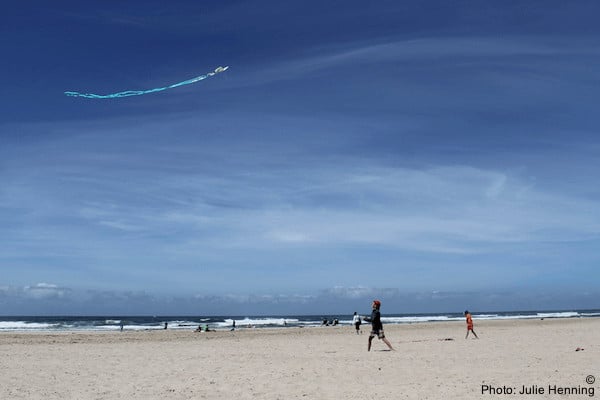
437,155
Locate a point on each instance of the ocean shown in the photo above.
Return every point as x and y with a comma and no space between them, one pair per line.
141,323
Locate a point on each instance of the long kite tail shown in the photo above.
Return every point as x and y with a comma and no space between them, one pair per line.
128,93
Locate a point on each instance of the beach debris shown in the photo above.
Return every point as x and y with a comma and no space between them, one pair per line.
579,349
128,93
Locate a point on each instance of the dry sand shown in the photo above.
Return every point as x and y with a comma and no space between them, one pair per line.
306,363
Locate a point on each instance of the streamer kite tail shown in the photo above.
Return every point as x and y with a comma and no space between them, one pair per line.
128,93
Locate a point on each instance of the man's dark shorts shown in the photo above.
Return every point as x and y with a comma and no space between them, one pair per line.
379,333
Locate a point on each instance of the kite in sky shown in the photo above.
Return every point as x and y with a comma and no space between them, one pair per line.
128,93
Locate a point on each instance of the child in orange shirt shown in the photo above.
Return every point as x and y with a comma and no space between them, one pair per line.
469,324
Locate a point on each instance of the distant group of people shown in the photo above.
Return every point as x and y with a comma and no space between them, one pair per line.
199,328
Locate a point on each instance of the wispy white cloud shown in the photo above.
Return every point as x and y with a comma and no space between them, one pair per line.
42,291
462,52
226,210
359,292
435,208
454,209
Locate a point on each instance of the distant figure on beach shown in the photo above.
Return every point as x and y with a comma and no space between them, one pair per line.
376,325
121,325
356,322
198,329
166,325
469,324
233,325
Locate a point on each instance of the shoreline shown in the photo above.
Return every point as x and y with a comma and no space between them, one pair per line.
41,324
403,329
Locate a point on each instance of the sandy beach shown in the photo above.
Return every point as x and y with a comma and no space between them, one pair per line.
431,361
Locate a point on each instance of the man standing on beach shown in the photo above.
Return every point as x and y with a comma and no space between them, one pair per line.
356,322
469,324
376,325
